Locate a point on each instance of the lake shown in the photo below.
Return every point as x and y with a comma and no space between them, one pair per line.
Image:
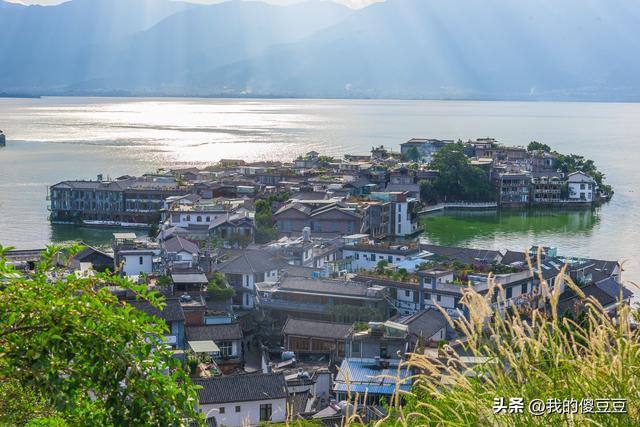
53,139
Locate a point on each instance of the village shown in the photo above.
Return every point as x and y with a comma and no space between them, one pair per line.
293,288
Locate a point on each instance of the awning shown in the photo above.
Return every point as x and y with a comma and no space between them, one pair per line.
204,346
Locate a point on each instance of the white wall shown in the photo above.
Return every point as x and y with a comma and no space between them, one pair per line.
362,259
576,193
132,266
249,414
191,218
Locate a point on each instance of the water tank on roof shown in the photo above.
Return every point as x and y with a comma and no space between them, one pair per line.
306,234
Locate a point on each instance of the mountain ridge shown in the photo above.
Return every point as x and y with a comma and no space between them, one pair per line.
417,49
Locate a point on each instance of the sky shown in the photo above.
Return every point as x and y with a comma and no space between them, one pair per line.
350,3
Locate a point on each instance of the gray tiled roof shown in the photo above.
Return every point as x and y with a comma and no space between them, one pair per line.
241,388
425,323
614,288
216,333
334,287
178,244
316,329
172,312
249,261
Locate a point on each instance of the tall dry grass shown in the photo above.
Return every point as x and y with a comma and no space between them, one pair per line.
530,353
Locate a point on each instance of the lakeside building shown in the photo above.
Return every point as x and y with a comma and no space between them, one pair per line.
123,201
582,187
425,148
389,215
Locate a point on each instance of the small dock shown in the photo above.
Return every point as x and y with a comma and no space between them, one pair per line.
480,206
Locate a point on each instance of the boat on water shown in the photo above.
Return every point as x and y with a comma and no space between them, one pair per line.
3,140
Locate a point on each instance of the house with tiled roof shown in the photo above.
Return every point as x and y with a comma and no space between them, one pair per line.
243,400
304,336
244,268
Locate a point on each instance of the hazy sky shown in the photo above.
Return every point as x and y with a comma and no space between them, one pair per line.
351,3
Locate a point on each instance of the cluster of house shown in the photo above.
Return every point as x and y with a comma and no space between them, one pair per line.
314,322
525,178
325,312
376,194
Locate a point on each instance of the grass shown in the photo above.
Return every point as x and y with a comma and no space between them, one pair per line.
530,353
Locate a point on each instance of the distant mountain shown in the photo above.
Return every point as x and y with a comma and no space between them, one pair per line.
461,49
528,49
36,40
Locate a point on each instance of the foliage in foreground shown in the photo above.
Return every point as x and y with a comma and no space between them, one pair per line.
535,354
72,354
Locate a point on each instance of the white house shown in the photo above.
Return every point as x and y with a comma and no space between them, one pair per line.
581,187
365,255
244,400
134,256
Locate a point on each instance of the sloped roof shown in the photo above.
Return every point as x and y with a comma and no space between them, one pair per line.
172,311
249,261
216,333
316,329
297,206
424,323
241,388
333,287
614,288
179,244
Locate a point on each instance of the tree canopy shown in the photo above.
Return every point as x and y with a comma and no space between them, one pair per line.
458,179
79,356
538,146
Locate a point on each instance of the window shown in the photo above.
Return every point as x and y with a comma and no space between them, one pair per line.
357,255
509,292
390,259
208,219
141,261
221,410
407,293
237,408
355,348
373,257
265,412
438,298
188,218
524,288
226,348
427,296
199,219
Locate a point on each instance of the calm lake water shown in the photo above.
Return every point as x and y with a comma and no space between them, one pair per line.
52,139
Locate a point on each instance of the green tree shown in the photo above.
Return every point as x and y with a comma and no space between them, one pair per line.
412,154
82,355
458,179
428,193
538,146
